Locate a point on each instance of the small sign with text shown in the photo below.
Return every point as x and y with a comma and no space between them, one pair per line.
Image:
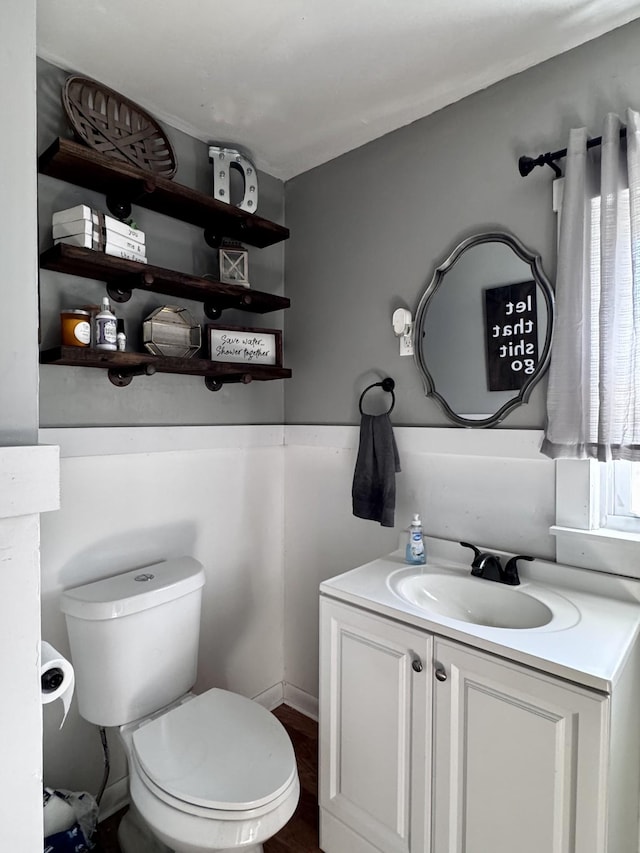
511,334
245,345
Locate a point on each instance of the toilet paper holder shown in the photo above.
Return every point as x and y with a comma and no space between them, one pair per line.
51,679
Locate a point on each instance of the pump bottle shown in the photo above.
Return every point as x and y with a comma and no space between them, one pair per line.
105,327
415,552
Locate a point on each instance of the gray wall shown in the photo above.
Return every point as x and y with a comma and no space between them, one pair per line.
367,231
71,396
369,227
18,342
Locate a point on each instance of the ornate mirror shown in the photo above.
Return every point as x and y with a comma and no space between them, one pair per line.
482,336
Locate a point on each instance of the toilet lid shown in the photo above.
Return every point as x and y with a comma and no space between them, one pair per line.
219,750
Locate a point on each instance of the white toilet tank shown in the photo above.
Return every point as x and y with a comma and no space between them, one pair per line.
134,639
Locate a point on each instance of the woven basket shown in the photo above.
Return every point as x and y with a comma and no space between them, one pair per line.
116,127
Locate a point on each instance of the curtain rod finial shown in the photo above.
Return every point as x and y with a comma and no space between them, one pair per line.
526,165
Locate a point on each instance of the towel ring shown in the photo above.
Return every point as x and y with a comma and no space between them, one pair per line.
388,385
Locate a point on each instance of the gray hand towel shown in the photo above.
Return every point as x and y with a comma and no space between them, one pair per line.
374,481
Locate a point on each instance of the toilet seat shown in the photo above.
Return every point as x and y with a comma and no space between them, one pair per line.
187,832
209,813
219,752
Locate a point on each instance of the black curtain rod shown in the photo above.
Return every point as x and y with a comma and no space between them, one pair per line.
526,165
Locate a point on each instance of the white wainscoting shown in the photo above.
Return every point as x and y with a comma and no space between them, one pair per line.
267,510
131,497
490,487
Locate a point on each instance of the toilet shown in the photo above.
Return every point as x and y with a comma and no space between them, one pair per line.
208,772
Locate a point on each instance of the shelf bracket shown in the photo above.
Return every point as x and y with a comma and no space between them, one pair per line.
118,293
213,309
215,383
212,238
120,288
119,201
213,312
122,376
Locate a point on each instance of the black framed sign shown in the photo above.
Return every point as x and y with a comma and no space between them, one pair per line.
511,320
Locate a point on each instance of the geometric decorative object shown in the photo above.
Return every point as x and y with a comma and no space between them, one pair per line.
116,126
233,260
170,331
225,159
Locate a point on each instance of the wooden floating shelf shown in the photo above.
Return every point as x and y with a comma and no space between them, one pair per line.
77,164
123,276
124,365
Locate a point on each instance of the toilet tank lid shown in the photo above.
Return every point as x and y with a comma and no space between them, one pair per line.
133,591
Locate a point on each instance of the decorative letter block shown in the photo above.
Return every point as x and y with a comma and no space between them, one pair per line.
224,159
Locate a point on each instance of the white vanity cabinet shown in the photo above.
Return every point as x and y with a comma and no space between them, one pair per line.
375,733
519,762
471,753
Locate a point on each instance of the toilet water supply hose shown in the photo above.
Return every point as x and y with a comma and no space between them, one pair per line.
107,764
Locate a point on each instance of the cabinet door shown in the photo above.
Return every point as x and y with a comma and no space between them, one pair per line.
375,732
519,758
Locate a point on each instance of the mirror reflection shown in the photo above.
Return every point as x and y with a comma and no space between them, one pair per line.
483,329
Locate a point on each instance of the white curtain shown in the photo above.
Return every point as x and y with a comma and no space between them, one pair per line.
593,400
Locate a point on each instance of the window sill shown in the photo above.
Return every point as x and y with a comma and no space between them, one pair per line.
602,549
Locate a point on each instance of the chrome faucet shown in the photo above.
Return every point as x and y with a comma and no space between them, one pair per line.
489,566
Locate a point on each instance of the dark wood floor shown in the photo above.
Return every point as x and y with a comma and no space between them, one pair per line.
300,835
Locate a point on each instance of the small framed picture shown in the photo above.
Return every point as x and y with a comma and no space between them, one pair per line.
244,344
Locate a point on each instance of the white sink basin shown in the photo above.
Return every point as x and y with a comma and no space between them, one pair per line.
481,602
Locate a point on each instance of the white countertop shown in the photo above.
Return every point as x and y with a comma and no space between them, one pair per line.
587,643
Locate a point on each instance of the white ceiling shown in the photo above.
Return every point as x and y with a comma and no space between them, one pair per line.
295,83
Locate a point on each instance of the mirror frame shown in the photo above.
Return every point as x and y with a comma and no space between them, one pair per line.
436,282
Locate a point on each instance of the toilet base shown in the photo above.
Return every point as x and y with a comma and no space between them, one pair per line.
255,848
135,836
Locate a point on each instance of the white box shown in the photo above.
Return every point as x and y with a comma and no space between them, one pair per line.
94,241
115,239
80,211
119,252
83,212
75,226
119,227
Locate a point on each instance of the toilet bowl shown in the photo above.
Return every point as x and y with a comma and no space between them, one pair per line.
214,772
210,773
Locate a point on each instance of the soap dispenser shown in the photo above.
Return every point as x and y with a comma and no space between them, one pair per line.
415,552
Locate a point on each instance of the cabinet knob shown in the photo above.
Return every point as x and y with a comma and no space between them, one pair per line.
416,664
441,673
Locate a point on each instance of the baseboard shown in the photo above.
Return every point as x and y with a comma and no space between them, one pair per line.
301,701
115,797
335,837
271,697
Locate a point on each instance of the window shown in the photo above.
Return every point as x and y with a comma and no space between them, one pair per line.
623,495
598,504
